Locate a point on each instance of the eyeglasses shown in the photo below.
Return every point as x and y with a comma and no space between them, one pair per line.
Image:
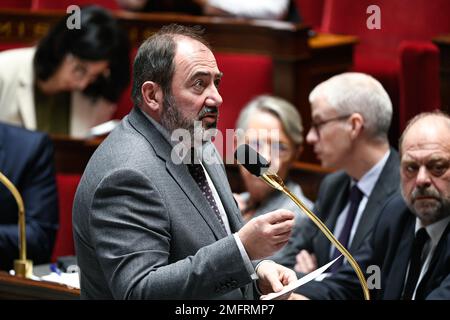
317,125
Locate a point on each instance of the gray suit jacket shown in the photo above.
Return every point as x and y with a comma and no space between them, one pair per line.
332,198
143,229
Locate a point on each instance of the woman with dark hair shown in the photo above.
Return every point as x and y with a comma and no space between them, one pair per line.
71,81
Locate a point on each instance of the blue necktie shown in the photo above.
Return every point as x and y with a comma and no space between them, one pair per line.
355,198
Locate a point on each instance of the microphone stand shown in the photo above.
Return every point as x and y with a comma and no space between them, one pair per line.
22,267
276,182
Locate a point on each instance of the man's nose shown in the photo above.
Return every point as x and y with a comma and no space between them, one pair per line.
423,178
312,137
214,98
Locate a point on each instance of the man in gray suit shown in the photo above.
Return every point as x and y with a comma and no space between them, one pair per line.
351,114
151,224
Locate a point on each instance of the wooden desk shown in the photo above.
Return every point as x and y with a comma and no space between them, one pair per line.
443,42
72,155
299,62
20,288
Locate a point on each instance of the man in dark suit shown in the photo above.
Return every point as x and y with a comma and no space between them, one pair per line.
149,223
410,243
26,159
351,114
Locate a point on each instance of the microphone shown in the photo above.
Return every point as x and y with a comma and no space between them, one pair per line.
257,165
251,160
22,267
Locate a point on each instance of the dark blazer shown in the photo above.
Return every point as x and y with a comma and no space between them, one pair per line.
26,158
331,200
144,230
389,248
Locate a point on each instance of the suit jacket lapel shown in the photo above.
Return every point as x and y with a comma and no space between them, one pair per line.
439,256
179,172
323,244
386,185
396,278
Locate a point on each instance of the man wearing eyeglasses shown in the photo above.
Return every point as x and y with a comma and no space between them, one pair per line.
351,114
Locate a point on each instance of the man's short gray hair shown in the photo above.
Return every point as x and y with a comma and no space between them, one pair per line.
280,108
354,92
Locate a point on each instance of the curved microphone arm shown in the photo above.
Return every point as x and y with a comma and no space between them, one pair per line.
275,181
259,166
22,266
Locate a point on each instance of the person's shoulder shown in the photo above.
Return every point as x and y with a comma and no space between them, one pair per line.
21,137
15,61
17,54
393,160
336,178
394,209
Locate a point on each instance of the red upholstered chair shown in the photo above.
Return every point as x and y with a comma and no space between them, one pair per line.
381,51
311,12
245,76
67,186
63,4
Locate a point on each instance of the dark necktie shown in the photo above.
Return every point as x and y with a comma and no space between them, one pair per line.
199,176
415,263
355,198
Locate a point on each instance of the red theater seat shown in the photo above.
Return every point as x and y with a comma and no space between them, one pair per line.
311,12
67,186
245,76
380,52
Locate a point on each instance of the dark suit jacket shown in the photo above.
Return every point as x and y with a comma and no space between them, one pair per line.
144,230
26,158
332,198
389,248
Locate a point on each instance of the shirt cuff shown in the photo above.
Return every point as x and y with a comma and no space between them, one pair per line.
247,262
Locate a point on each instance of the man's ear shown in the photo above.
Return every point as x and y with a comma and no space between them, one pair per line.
357,123
152,97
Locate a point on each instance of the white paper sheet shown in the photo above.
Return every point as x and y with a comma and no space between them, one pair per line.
294,285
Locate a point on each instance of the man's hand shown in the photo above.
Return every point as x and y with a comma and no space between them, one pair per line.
296,296
273,277
306,262
240,202
264,235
